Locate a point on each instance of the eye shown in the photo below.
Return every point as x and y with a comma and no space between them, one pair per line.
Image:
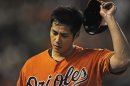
64,35
55,33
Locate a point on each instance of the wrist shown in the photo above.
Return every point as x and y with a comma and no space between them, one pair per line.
109,18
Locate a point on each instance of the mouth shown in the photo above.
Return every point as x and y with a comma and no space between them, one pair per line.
57,47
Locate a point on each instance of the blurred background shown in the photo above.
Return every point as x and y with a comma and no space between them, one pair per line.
24,32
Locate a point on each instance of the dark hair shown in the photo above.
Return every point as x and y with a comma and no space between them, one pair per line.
69,16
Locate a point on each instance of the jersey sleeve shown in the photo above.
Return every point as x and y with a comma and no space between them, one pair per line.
104,61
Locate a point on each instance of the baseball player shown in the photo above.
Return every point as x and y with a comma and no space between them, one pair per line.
66,64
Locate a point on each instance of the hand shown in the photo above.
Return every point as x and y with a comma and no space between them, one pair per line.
107,8
103,0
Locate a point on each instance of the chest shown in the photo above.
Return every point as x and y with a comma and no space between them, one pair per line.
60,73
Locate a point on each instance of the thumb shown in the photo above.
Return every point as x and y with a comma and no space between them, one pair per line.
102,11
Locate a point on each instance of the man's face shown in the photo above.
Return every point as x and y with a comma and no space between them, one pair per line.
61,38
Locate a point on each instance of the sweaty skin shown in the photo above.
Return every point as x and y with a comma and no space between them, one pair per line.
62,41
120,60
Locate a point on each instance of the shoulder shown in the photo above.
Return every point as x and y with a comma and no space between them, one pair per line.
38,57
94,52
101,53
35,59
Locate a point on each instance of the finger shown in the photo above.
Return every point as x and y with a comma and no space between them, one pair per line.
102,11
113,8
107,5
101,7
100,1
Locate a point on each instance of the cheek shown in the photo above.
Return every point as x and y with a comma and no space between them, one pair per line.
68,42
51,37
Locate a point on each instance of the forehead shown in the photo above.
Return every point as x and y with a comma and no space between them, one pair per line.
60,27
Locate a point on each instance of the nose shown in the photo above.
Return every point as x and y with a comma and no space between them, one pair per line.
58,39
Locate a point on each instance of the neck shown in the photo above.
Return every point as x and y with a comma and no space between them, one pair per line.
59,56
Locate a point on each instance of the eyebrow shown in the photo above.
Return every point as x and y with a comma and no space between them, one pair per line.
54,30
63,33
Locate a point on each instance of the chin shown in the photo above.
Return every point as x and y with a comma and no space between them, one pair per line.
57,51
